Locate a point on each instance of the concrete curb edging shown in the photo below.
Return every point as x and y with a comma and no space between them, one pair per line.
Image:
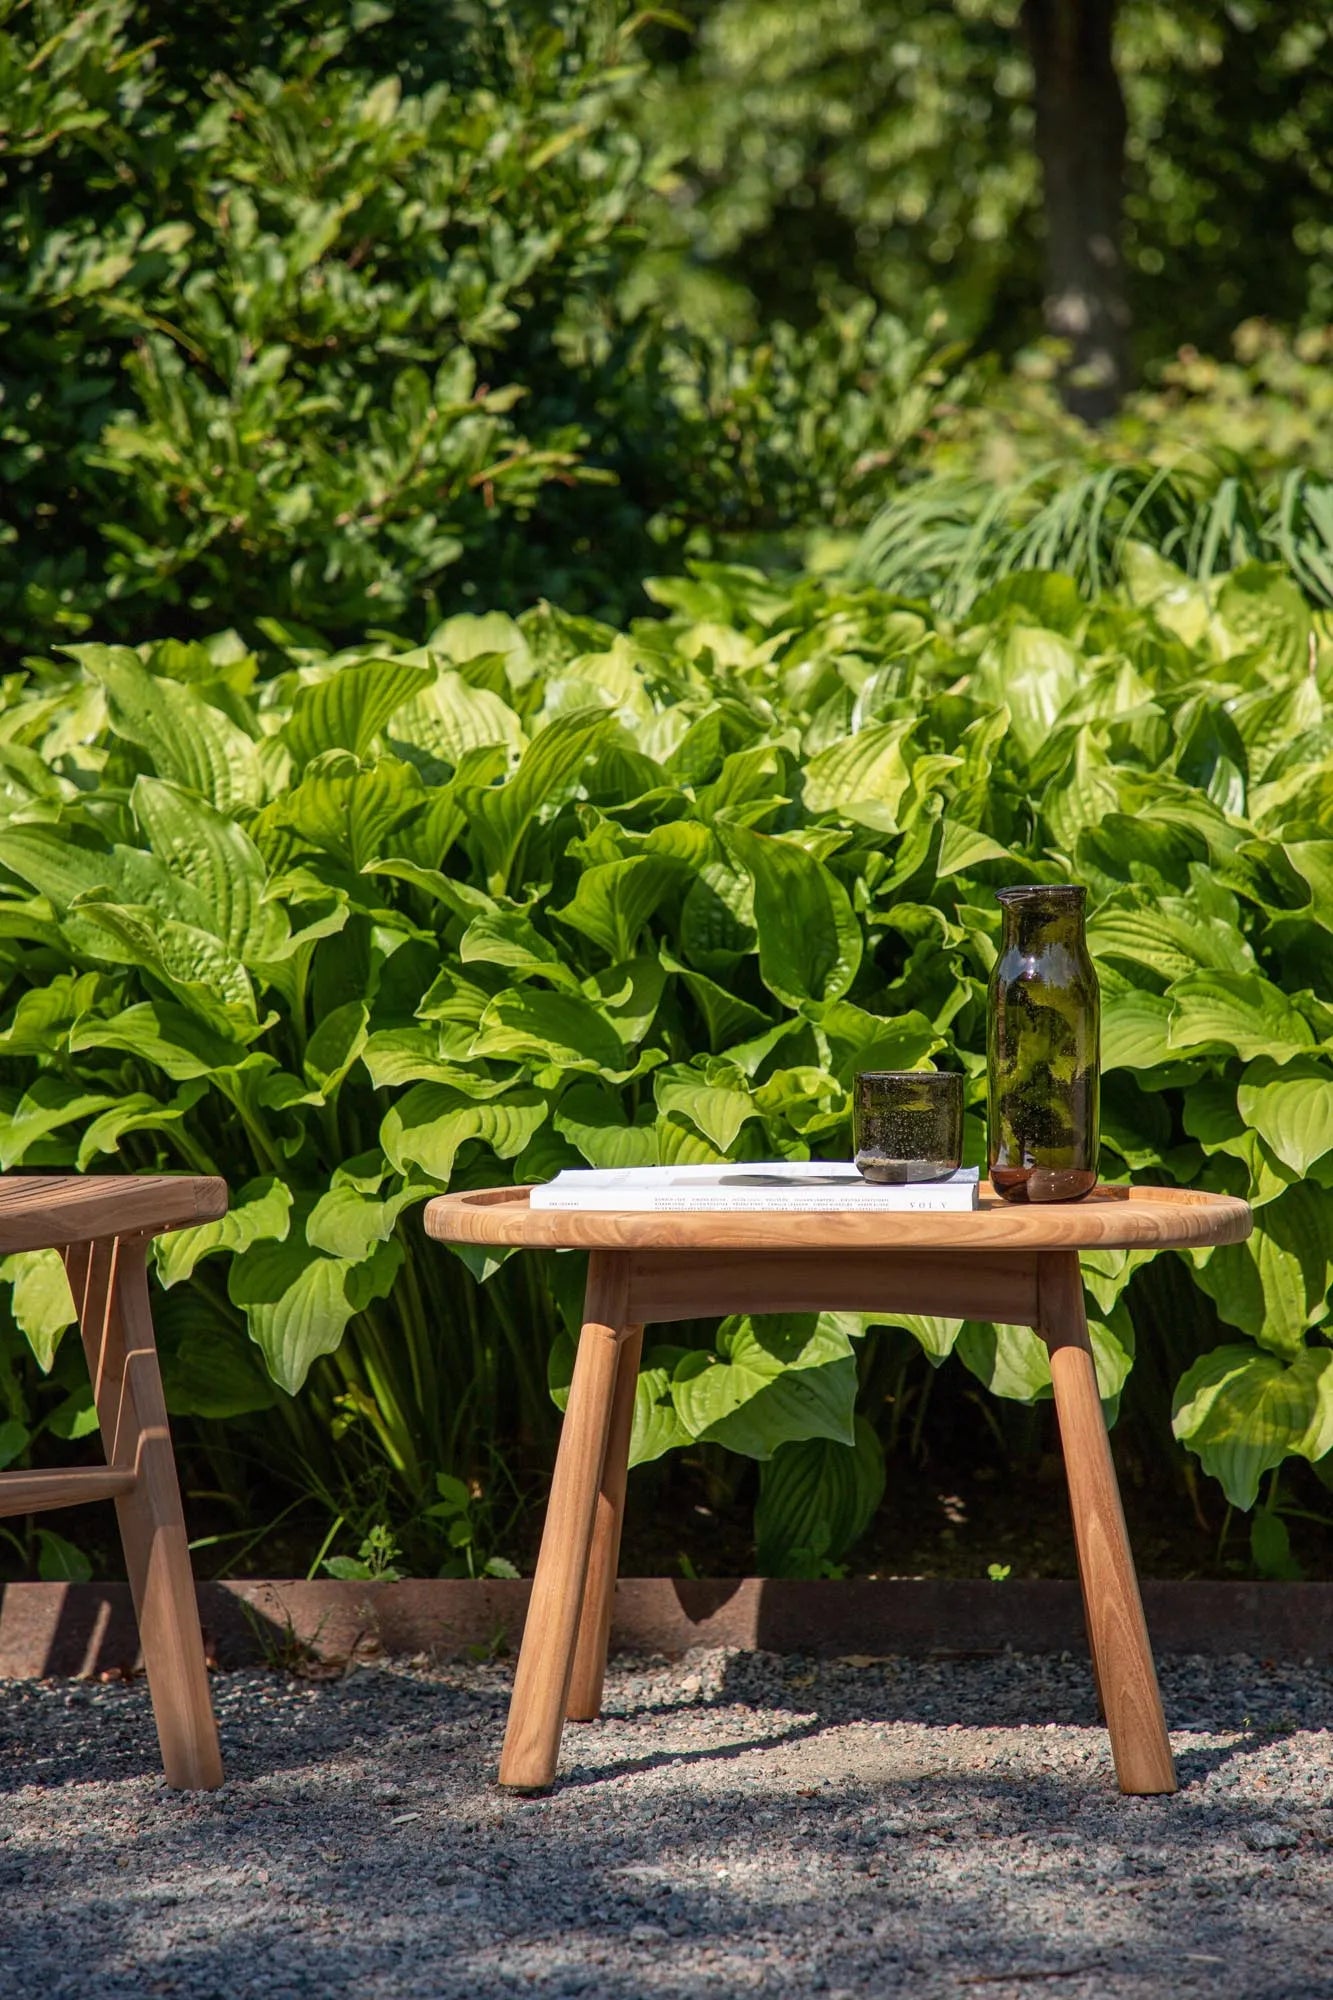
87,1629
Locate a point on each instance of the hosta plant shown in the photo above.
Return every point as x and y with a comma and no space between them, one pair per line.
541,893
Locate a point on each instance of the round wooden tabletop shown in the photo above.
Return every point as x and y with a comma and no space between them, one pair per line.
1111,1218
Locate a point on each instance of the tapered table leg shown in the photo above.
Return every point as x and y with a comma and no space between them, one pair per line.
546,1657
585,1687
110,1286
1122,1657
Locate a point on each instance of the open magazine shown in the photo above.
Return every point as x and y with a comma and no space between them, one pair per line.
755,1186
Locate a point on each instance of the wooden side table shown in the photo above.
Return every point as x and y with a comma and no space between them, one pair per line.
1005,1262
102,1224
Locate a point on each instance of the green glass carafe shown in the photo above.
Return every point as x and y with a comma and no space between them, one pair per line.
1043,1049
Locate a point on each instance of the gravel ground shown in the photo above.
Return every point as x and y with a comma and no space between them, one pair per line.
738,1824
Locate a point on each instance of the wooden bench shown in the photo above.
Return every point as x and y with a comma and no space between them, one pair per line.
102,1225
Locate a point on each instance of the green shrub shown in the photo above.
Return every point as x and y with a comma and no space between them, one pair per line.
541,893
328,319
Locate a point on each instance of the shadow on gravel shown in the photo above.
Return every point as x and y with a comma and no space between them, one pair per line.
970,1884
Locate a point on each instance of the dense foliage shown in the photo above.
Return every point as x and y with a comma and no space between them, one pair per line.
541,892
328,320
889,145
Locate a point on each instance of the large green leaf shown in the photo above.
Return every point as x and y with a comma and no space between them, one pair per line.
1236,1010
592,1118
717,1109
1273,1286
218,860
1010,1360
1291,1108
296,1305
559,1028
429,1123
809,939
1243,1412
816,1498
41,1301
657,1428
501,816
864,777
258,1212
348,708
187,740
614,901
771,1380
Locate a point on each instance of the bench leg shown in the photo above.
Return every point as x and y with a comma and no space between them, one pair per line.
546,1657
585,1687
110,1286
1122,1658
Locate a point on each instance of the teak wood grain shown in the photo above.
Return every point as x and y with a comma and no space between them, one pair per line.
546,1660
696,1284
1117,1633
1111,1218
102,1224
1001,1263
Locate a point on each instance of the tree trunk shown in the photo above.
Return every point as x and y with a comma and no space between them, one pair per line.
1081,145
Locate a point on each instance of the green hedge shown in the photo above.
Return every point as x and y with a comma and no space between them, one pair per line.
330,317
541,892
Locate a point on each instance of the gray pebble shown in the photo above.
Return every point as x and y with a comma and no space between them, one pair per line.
736,1825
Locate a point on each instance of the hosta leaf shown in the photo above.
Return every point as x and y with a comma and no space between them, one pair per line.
64,868
192,964
816,1498
348,1222
1235,1010
219,861
963,848
186,739
450,717
50,1103
809,939
259,1212
335,1045
350,811
135,1113
560,1028
656,1426
41,1301
161,1034
1133,1031
1261,605
592,1118
1243,1412
349,708
936,1336
614,901
1291,1108
431,1121
864,777
1167,941
296,1305
716,1111
771,1380
547,773
504,937
1273,1286
215,1374
1010,1360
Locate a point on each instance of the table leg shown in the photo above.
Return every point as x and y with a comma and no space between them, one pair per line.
1122,1657
110,1286
585,1687
546,1657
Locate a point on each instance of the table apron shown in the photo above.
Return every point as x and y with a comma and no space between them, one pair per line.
704,1284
